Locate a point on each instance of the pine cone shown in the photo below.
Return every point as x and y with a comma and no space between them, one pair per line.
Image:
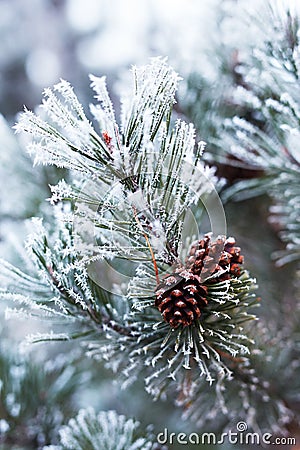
181,296
207,258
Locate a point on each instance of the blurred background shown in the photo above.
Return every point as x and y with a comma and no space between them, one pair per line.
42,41
45,40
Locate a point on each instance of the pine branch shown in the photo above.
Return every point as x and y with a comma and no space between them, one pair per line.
258,147
256,128
60,291
168,353
105,430
186,311
35,399
266,399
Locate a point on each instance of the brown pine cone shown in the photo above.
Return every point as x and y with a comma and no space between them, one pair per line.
180,298
207,258
204,256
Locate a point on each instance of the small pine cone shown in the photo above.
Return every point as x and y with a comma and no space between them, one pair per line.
207,258
180,298
204,256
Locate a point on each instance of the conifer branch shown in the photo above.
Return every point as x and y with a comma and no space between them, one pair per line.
106,429
186,311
